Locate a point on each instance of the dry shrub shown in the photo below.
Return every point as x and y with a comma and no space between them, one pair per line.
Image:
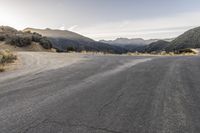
2,69
7,57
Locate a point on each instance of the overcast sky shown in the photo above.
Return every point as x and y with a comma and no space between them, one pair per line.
104,19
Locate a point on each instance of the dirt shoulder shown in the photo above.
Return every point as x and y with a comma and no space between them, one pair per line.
35,62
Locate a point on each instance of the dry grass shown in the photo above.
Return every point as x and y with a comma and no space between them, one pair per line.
6,57
2,69
163,53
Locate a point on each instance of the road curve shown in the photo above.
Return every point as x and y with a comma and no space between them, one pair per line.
105,94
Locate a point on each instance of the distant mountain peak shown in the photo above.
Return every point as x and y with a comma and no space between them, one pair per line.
127,41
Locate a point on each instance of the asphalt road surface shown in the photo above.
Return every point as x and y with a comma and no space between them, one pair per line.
105,94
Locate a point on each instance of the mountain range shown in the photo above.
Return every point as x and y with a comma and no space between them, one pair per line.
63,41
126,41
189,39
135,44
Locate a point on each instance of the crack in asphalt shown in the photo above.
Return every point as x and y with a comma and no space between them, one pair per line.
109,103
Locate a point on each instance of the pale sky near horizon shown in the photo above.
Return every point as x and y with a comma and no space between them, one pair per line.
104,19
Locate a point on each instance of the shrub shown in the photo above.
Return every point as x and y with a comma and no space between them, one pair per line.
45,43
19,40
25,40
36,37
71,49
2,37
60,51
7,57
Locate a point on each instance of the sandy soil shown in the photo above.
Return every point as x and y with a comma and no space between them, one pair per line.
35,62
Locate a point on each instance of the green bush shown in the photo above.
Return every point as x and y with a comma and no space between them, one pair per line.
19,41
45,43
36,37
71,49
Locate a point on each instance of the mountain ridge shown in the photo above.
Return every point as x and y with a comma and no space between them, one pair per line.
189,39
134,41
64,40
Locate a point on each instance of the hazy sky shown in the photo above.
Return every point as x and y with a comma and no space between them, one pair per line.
104,19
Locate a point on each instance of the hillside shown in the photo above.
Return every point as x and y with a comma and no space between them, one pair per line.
189,39
64,40
158,46
7,29
59,34
13,38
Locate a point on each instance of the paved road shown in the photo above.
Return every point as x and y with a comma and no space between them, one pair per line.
106,95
